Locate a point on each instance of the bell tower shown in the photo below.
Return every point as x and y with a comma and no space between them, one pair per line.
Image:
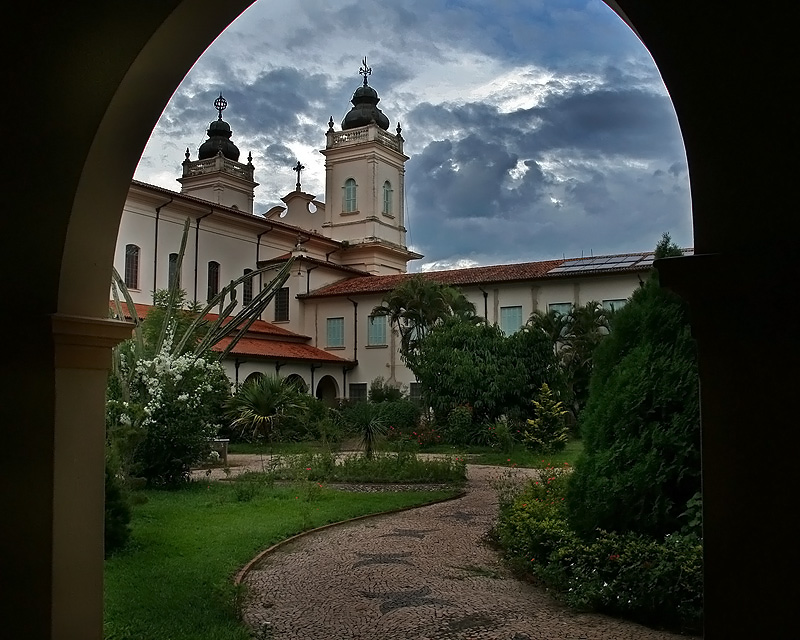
364,186
217,175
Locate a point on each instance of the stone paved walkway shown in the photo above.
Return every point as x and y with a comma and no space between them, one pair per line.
423,574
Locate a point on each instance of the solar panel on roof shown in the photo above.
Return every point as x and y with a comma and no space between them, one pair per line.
579,263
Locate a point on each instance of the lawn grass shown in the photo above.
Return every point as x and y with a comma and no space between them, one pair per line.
519,455
174,580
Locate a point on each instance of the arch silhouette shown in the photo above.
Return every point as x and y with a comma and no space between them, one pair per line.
253,377
94,79
327,390
297,381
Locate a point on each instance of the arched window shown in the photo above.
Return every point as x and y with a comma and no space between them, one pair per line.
387,197
247,288
131,266
174,276
213,279
349,200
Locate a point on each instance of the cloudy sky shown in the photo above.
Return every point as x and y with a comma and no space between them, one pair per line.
536,128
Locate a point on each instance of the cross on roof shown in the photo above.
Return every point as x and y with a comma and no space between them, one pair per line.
298,168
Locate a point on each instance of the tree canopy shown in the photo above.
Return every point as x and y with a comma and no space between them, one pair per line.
641,426
416,306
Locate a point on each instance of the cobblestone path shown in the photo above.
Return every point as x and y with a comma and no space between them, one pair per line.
423,574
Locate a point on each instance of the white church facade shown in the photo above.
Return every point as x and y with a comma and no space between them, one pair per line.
350,250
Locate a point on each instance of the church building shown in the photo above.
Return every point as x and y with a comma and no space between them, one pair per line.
349,249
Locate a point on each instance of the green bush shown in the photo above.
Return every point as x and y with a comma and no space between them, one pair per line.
382,391
547,431
182,400
117,510
654,581
459,424
402,414
310,420
462,363
641,425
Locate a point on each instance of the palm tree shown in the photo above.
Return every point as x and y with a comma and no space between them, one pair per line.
416,306
553,323
260,404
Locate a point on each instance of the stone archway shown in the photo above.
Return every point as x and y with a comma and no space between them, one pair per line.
327,390
296,380
95,81
253,377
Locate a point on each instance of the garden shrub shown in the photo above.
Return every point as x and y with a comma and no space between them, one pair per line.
117,510
310,420
182,399
547,431
459,424
268,408
402,414
641,425
656,581
382,391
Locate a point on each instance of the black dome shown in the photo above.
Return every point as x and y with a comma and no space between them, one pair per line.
219,134
365,109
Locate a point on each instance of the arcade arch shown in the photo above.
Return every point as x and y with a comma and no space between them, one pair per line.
327,390
101,102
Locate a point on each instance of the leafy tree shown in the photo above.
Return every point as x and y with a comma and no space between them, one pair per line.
574,336
461,363
416,306
641,426
586,326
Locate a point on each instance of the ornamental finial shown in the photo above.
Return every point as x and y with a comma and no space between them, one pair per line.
365,70
298,168
330,124
220,104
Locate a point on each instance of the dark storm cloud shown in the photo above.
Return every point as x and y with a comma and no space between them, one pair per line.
618,121
487,179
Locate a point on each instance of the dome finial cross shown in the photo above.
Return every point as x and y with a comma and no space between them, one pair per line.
365,70
220,104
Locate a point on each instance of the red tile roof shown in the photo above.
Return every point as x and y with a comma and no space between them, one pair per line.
266,340
475,276
279,350
455,277
259,326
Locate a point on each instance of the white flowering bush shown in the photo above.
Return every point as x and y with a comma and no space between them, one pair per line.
175,404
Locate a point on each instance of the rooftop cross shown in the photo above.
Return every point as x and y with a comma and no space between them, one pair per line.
298,168
365,70
220,104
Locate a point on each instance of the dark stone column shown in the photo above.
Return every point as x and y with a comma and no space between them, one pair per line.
749,353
